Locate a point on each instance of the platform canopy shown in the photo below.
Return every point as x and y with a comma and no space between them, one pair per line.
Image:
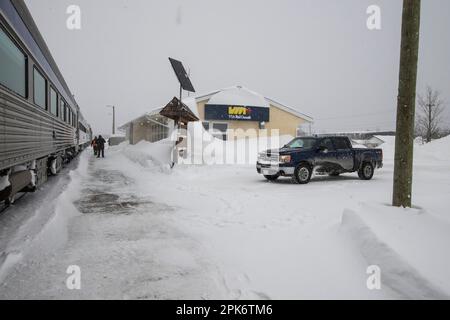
178,111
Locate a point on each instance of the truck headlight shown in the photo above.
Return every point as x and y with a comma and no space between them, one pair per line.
285,158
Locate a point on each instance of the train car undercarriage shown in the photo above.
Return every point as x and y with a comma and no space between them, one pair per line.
29,176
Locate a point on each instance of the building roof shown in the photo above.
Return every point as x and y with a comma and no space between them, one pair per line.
235,95
238,95
146,116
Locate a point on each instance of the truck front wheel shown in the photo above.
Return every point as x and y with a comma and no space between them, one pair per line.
302,174
366,171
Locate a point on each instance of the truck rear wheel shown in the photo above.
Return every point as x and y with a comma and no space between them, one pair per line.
366,171
302,174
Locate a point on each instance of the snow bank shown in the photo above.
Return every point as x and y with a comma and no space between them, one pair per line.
147,154
155,157
51,220
408,245
204,148
436,150
7,261
54,233
4,182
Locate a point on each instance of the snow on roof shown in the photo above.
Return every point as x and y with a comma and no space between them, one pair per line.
141,117
240,96
192,104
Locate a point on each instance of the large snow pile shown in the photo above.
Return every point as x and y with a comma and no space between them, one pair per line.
147,154
409,245
436,150
204,148
42,224
4,182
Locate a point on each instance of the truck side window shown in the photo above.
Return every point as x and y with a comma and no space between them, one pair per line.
326,143
341,143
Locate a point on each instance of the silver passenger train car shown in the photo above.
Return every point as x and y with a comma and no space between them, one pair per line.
41,125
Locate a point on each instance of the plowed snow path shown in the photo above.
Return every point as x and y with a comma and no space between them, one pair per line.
126,246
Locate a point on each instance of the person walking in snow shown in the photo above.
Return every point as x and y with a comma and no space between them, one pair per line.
100,146
94,145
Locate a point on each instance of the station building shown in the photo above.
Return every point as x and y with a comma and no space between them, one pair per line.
240,108
236,108
150,126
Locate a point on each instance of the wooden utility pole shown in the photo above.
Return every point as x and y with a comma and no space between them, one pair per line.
406,103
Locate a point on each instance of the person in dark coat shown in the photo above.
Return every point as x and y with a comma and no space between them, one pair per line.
100,146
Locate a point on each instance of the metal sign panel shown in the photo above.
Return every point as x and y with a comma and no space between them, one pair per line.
182,76
240,113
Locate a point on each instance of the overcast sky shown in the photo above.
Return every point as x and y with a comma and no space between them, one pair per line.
316,56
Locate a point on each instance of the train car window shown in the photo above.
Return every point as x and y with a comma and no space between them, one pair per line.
65,114
61,109
13,64
40,89
53,101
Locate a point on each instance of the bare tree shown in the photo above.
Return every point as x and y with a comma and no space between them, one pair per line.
406,104
429,118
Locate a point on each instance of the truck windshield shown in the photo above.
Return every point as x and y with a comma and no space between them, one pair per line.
303,143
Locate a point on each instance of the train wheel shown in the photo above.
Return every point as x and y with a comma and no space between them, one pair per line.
10,200
55,165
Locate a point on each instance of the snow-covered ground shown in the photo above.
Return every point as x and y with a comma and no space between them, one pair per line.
140,230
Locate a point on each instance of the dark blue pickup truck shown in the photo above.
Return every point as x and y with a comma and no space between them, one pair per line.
330,155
